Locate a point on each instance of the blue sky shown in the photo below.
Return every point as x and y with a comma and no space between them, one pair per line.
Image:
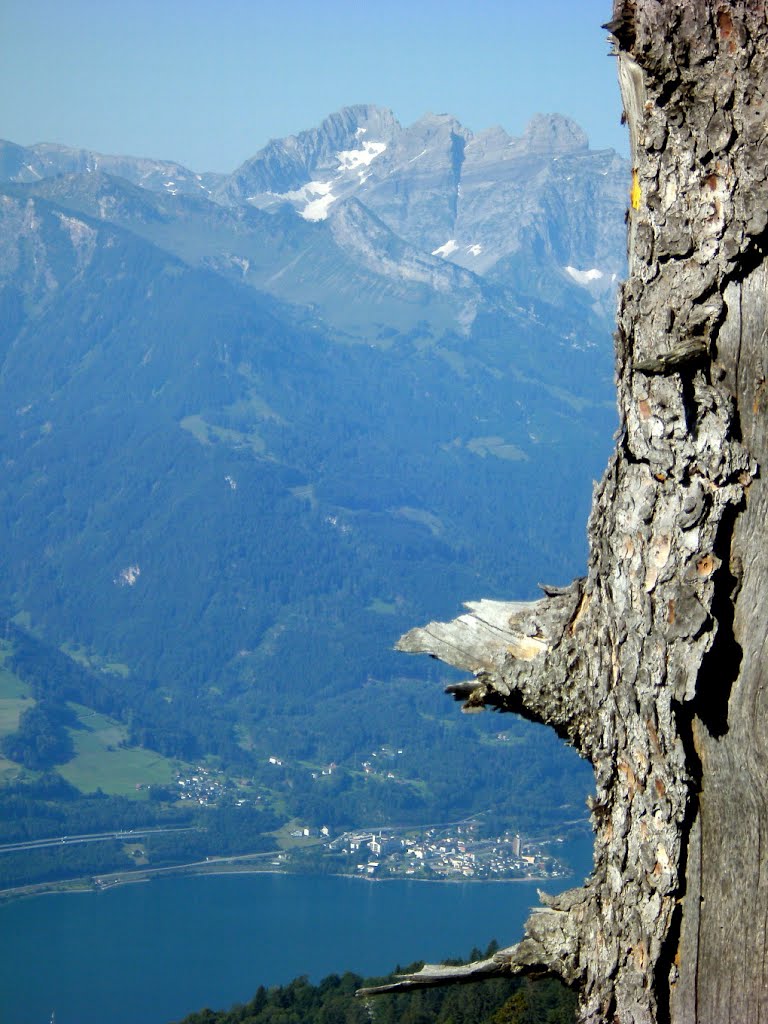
208,83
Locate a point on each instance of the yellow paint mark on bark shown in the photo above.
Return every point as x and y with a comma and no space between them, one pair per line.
635,193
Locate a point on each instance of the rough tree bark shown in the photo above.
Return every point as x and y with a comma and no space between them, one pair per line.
654,666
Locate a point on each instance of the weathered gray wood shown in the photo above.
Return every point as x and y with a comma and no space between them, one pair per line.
723,973
655,665
433,975
479,640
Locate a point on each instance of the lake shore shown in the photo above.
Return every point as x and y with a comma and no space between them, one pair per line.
226,866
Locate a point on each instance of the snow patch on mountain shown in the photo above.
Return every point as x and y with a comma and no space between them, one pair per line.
585,277
316,197
318,209
446,249
353,159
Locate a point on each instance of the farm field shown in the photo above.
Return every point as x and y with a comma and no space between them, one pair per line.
101,762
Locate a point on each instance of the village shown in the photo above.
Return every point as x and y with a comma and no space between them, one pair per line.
458,850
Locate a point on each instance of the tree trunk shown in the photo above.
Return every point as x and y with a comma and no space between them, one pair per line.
654,666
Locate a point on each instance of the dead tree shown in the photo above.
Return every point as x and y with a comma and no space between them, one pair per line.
654,666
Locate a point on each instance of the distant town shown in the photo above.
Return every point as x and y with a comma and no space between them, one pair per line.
450,851
444,852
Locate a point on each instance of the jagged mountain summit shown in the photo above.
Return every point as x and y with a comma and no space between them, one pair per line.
536,213
475,200
340,149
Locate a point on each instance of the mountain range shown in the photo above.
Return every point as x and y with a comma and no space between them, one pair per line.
256,425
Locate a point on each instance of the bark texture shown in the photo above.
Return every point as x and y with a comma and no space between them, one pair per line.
654,665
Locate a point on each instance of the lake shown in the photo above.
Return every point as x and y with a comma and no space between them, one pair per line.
150,953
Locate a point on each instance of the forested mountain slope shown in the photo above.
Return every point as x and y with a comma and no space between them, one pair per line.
244,448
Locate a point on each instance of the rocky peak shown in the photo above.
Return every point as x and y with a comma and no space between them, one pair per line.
285,165
490,145
554,133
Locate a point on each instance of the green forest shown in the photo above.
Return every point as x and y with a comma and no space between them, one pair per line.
219,514
333,1001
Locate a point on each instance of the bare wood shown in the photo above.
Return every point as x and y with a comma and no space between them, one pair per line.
655,665
433,975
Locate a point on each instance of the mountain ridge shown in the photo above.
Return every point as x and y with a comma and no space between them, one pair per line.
286,165
474,201
244,449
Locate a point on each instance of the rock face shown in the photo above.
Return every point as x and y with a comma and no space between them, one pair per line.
653,666
535,213
487,218
286,165
474,200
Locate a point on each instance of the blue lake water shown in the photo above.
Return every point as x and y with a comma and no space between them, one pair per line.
151,953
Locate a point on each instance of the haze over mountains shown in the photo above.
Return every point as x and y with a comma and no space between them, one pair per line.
254,426
497,206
